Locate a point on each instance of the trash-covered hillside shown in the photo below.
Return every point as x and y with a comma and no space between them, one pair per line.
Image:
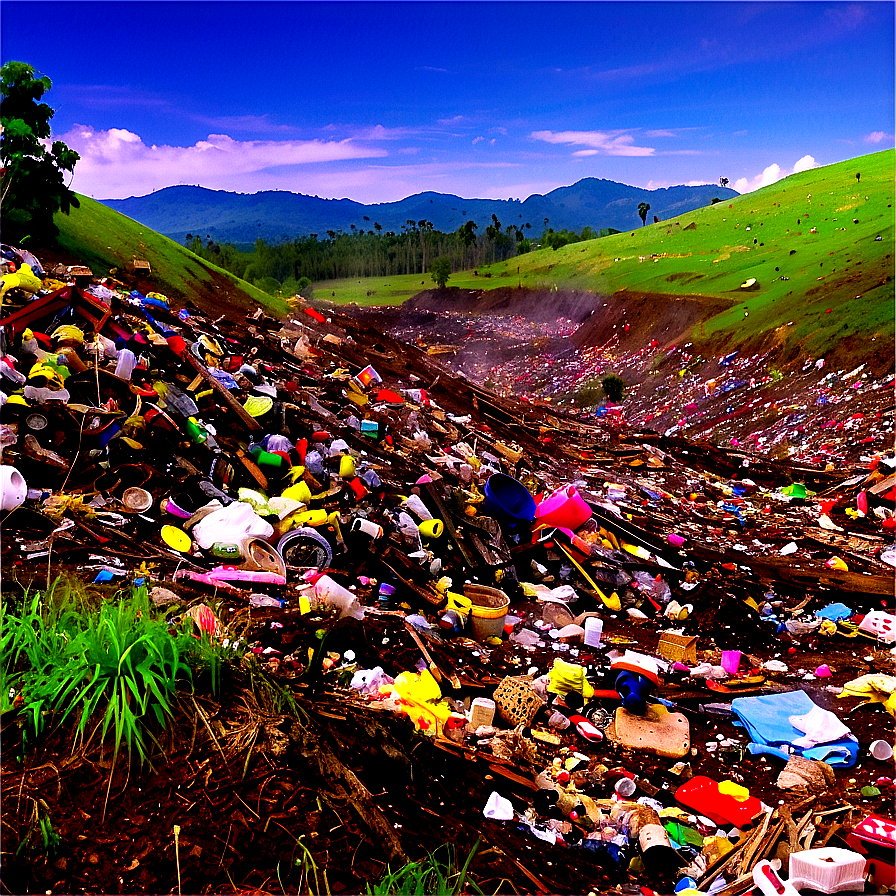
289,604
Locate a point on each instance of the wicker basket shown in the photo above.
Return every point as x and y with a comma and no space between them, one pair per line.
516,701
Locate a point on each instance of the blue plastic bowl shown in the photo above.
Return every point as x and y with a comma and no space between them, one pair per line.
508,499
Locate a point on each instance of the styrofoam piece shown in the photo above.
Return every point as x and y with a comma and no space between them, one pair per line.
829,869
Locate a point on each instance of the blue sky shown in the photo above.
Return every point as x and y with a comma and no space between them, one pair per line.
375,101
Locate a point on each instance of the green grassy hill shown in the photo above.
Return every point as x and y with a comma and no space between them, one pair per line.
103,239
819,245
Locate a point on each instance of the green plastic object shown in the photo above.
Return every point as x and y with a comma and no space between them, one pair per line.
797,490
226,551
266,459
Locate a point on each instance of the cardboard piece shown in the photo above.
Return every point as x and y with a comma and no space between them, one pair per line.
657,731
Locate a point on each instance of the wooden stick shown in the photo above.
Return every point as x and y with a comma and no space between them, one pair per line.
716,867
251,423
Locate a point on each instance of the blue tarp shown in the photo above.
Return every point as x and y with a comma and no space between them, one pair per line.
767,720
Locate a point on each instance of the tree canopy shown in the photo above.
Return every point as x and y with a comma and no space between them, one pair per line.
32,180
643,208
441,271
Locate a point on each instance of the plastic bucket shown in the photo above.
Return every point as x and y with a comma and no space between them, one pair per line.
488,610
508,499
565,508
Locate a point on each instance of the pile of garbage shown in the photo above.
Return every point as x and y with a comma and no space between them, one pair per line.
673,658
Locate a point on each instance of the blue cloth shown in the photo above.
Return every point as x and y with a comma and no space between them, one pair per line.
835,612
767,720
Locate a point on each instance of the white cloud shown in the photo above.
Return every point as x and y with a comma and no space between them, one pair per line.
582,153
478,140
877,137
771,174
117,163
608,143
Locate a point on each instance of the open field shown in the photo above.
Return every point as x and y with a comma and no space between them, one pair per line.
818,244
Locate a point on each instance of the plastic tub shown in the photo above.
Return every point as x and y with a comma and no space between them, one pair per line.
305,549
508,499
488,610
565,508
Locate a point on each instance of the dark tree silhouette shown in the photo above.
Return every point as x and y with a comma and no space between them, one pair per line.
723,181
643,208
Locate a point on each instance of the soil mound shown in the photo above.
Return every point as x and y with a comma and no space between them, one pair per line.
534,304
637,318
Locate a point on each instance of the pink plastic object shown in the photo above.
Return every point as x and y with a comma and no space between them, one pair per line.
232,574
823,671
702,793
730,661
674,539
565,508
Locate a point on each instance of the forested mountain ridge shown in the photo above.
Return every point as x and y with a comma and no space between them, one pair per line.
276,215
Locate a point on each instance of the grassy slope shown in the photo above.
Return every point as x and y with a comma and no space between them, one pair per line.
840,267
103,239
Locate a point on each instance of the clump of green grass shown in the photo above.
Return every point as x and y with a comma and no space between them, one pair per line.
115,668
437,872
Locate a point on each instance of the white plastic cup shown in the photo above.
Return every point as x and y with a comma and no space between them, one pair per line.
482,712
126,363
368,527
415,504
594,628
881,750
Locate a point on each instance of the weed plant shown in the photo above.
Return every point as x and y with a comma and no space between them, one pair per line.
114,669
436,873
40,840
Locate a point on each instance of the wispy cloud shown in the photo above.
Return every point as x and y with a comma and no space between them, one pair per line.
876,137
117,163
608,143
110,96
430,68
256,124
771,174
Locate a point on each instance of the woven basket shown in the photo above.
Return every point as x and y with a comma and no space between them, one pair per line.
516,701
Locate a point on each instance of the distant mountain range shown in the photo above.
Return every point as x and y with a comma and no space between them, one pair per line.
276,216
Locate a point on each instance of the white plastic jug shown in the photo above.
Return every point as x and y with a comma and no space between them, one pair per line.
13,488
330,591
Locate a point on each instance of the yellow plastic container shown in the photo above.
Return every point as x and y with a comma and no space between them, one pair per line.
432,529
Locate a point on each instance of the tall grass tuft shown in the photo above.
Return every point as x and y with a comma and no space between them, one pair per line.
115,669
438,873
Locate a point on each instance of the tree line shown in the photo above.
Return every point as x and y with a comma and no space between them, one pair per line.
370,251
